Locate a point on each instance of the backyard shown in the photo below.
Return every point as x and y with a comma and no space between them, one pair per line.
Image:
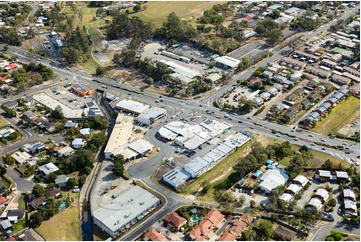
157,12
344,113
69,220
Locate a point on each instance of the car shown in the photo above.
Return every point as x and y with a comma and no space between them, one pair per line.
310,135
39,59
68,68
323,148
295,139
251,127
292,131
273,132
312,144
323,140
200,147
160,96
240,121
248,118
104,86
218,117
277,135
6,166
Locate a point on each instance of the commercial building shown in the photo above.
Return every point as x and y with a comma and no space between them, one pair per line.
176,177
151,115
120,135
226,62
125,210
182,73
131,106
272,179
140,147
82,90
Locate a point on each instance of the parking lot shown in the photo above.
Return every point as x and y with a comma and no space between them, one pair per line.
48,44
67,97
249,50
351,128
232,97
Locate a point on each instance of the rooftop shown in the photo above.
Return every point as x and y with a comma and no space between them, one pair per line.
132,106
228,61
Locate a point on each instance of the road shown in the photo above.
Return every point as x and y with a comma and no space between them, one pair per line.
321,233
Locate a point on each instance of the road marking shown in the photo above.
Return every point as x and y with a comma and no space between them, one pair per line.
339,156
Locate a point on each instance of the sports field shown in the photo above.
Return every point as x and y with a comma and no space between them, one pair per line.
346,112
157,12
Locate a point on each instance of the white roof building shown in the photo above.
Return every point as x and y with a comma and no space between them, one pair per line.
85,131
348,193
287,197
227,62
183,73
196,167
350,207
141,146
315,203
132,106
130,206
151,115
48,168
176,177
21,157
66,151
300,179
78,143
293,188
322,193
272,179
341,174
119,137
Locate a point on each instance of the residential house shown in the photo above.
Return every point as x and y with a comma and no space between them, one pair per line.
314,97
5,224
341,80
11,67
85,131
341,175
285,234
29,115
237,227
53,192
201,231
34,148
66,151
322,174
215,217
257,101
227,237
3,201
13,214
175,221
11,105
291,113
78,143
154,235
314,204
70,124
30,235
349,194
267,74
272,90
38,202
317,71
61,180
48,168
322,194
355,89
47,126
299,92
254,81
305,104
350,207
265,96
292,97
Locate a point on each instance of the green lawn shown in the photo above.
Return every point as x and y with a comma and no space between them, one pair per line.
157,12
21,202
20,225
4,183
344,113
3,122
65,225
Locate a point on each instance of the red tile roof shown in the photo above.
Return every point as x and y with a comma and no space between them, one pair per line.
247,218
214,216
11,238
12,65
249,19
175,220
197,233
153,235
227,237
4,78
237,228
2,200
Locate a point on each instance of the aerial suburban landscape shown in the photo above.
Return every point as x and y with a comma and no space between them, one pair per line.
185,121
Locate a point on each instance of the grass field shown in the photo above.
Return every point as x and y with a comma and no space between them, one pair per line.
3,122
157,12
345,112
21,202
69,221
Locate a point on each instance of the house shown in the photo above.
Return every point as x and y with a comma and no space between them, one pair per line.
34,148
350,207
299,92
247,218
154,235
341,175
215,217
267,74
38,202
322,174
341,80
82,90
317,71
21,157
258,101
265,96
285,234
175,221
293,189
322,194
237,227
226,62
47,126
272,90
48,168
206,225
30,235
11,238
5,224
314,204
11,67
11,105
53,192
29,115
300,180
314,97
355,89
85,131
349,194
272,179
13,214
288,198
291,113
66,151
305,104
78,143
70,124
254,81
3,201
61,180
227,237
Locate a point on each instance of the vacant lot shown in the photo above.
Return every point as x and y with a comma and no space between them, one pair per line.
157,12
344,113
69,221
3,122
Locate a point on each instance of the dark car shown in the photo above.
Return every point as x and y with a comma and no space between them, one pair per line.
240,121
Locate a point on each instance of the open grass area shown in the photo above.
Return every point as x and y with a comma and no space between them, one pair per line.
65,225
5,184
345,112
157,12
21,202
3,122
20,225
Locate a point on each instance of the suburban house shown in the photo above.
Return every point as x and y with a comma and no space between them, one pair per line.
78,143
11,105
61,180
154,235
314,204
53,192
317,71
322,174
322,194
70,124
29,115
48,168
38,202
175,221
66,151
350,207
227,237
206,225
349,194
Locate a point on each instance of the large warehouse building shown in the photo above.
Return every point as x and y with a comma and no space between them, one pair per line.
125,210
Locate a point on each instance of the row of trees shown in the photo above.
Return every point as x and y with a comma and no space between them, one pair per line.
269,29
77,44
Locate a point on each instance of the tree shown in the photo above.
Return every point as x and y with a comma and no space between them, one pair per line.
334,236
9,160
327,165
269,29
137,8
2,170
70,183
118,168
36,219
149,81
38,190
332,202
10,112
5,48
265,230
100,71
57,113
252,203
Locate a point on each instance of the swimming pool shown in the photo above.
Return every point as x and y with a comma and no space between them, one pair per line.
196,218
62,205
